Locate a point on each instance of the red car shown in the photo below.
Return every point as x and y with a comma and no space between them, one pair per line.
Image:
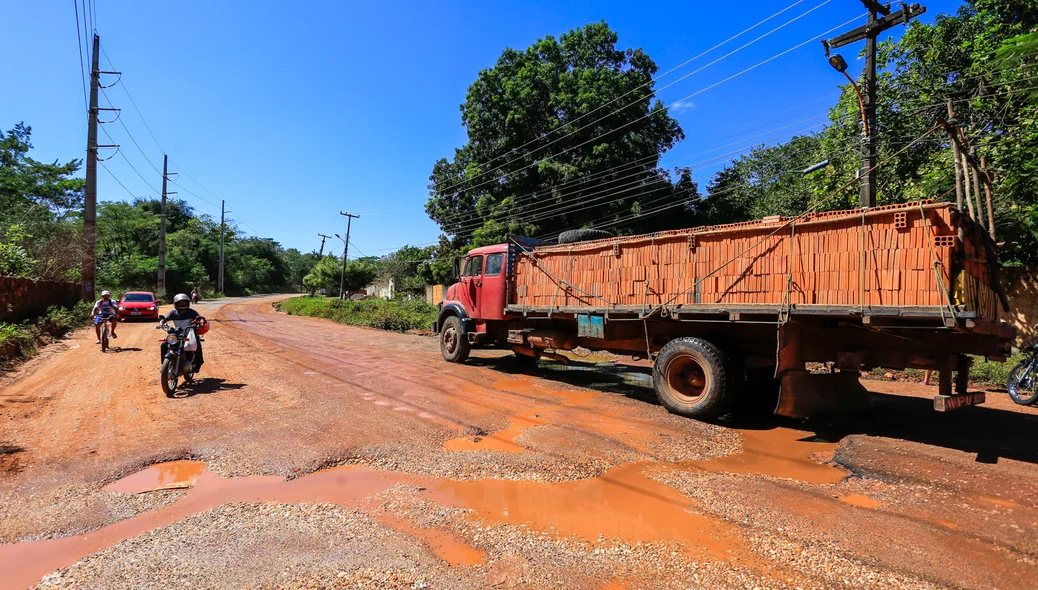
138,305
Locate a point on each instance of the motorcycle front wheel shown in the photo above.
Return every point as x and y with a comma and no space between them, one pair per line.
1021,383
168,377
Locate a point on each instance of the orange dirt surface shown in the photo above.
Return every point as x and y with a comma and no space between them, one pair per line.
481,474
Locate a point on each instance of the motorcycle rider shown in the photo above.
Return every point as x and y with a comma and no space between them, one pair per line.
105,308
182,311
194,295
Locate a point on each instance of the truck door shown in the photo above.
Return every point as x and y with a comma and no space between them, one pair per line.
472,285
492,293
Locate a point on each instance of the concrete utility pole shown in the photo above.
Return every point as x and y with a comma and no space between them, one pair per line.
162,228
219,279
870,31
88,272
345,250
320,254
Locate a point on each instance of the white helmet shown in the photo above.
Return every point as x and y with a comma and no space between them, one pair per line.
181,297
106,292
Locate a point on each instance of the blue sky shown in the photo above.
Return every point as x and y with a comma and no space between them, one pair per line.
293,111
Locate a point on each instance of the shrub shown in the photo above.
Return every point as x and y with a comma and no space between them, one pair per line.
20,340
395,315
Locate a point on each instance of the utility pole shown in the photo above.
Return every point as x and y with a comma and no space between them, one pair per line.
88,272
880,19
345,249
162,228
320,254
219,279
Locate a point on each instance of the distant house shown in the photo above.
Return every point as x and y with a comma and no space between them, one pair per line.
381,288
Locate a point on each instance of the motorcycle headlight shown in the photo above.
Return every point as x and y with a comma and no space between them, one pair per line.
172,339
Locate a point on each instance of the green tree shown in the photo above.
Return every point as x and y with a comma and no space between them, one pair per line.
324,275
42,200
548,127
359,274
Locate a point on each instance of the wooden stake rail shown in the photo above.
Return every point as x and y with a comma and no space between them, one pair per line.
890,257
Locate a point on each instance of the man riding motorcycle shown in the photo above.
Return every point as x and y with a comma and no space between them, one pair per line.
182,311
104,309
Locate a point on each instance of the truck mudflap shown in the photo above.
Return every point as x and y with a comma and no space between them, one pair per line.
804,394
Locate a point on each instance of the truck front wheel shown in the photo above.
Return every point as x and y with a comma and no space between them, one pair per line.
690,378
454,343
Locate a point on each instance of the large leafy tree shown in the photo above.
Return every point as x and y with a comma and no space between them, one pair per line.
38,206
553,128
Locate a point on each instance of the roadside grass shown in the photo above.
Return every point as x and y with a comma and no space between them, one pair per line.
394,315
20,341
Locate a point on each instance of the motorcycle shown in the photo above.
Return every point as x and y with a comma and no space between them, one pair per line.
181,342
1023,379
194,297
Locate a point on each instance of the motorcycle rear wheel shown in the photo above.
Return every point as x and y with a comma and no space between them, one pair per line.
168,377
1021,383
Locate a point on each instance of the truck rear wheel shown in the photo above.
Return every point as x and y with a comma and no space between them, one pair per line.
454,343
690,378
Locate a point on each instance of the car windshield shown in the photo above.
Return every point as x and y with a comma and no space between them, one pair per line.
139,297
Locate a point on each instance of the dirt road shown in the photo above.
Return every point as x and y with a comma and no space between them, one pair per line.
318,455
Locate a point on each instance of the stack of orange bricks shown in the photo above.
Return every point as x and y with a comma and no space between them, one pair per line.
898,255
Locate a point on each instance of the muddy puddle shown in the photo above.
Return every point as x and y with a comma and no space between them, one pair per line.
621,504
171,475
778,452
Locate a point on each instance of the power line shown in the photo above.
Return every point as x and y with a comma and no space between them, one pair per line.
134,168
130,135
132,102
79,46
649,95
116,178
451,188
716,84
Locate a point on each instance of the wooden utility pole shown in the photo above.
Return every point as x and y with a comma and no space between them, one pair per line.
345,250
880,19
219,279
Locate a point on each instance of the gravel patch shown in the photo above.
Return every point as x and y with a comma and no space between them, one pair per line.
71,510
257,545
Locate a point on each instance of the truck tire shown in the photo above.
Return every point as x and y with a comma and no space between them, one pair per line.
454,343
691,379
583,235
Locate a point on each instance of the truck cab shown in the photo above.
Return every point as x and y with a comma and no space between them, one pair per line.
478,297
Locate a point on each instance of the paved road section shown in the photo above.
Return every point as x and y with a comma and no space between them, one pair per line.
312,454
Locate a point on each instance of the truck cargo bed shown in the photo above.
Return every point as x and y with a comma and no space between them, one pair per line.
917,260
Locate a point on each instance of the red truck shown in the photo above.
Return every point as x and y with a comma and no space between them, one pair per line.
725,310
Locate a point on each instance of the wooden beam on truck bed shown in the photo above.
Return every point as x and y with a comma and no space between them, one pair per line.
735,312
